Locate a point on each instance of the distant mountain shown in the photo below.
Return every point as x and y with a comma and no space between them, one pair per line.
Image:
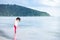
15,10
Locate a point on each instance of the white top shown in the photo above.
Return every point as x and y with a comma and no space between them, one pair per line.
16,23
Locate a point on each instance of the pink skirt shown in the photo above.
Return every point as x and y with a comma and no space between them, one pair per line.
15,28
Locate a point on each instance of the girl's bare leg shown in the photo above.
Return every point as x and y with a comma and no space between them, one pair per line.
14,33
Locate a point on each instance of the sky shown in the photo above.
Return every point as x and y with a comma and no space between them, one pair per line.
50,6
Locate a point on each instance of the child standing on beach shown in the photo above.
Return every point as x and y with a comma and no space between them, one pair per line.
15,26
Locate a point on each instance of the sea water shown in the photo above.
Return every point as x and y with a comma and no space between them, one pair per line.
31,28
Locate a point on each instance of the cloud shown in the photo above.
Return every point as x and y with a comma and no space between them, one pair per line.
51,3
32,2
46,2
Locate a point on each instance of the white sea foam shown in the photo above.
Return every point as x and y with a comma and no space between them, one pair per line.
30,28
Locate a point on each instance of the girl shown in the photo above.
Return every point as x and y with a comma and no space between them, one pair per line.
15,26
